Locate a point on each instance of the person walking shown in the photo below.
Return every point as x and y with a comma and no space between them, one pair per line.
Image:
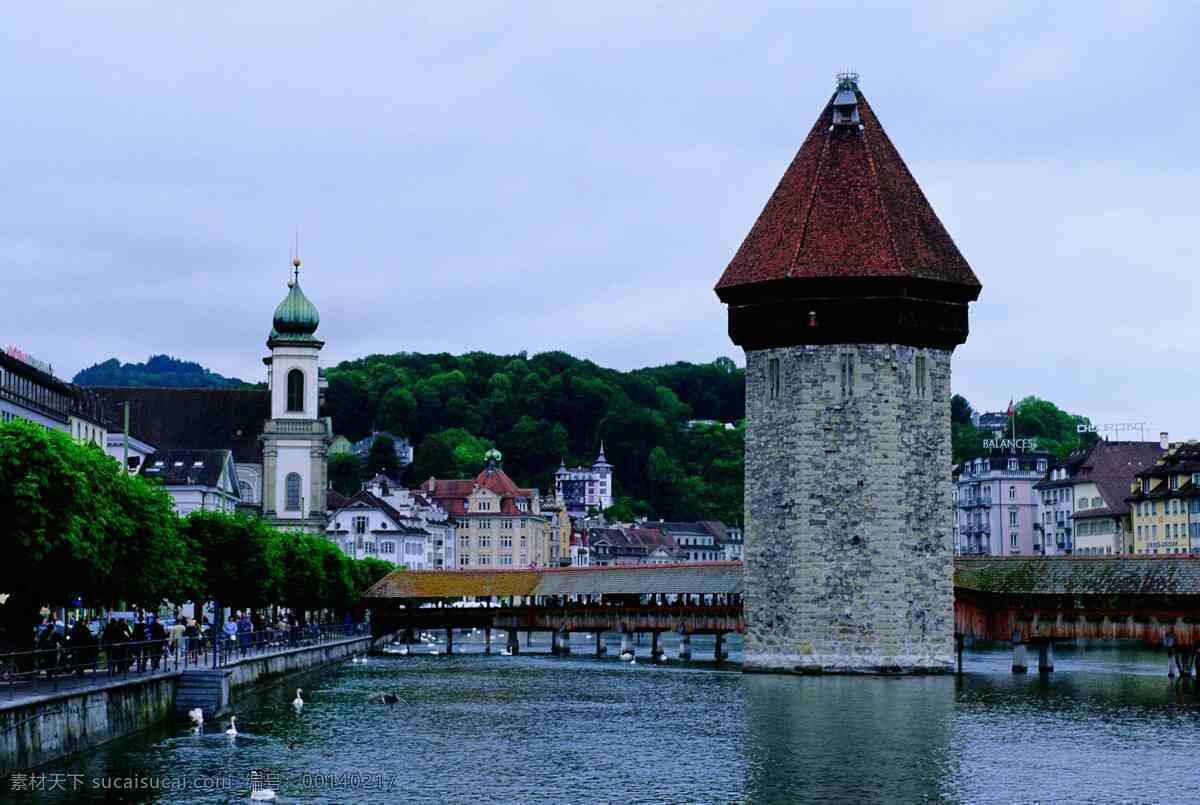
81,644
244,635
191,636
231,629
138,647
158,641
175,637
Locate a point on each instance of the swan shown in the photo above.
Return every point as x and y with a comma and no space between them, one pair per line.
197,716
633,661
232,727
298,702
263,795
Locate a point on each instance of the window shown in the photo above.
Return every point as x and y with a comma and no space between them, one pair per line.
485,541
245,490
370,546
506,541
360,525
387,547
464,559
1012,540
464,540
1012,493
484,559
412,549
847,374
1012,465
1174,481
295,390
506,524
292,488
919,378
506,559
774,384
1097,503
1012,518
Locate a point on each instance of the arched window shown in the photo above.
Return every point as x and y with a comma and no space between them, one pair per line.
292,487
246,491
295,390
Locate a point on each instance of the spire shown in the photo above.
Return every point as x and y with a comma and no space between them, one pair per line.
601,461
296,318
847,248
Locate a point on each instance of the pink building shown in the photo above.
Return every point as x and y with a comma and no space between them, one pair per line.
996,505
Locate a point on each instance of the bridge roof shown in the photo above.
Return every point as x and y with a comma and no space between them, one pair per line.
701,578
1080,575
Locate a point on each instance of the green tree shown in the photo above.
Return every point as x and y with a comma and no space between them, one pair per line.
960,410
346,473
382,457
452,453
398,411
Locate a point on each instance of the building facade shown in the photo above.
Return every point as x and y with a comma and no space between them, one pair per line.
998,507
848,297
196,480
367,526
497,523
1165,503
30,391
584,489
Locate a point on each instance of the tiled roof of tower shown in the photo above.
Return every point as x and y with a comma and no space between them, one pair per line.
847,207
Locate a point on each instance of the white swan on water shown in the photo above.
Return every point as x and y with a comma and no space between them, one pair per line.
262,795
298,702
232,727
197,716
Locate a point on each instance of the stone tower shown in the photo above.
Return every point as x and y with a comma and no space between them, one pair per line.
295,439
848,297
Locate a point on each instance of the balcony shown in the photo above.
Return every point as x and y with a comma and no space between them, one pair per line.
300,427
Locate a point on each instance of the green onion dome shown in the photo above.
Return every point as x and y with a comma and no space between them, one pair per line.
295,316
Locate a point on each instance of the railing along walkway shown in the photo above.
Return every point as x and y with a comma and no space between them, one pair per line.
26,675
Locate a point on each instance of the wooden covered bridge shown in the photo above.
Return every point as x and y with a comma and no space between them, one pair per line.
1028,601
630,599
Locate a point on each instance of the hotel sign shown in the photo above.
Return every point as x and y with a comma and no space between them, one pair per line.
27,359
1021,445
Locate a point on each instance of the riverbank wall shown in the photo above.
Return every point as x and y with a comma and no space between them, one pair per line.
39,728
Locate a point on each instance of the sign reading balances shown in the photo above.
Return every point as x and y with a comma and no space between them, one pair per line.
1022,445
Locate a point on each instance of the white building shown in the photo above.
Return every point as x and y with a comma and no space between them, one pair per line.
30,391
367,526
585,488
136,454
196,480
420,512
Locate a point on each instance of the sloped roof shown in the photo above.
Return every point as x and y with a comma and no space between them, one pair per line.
1080,575
183,467
193,418
711,577
847,207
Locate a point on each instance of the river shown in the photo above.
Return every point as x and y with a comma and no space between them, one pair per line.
1106,726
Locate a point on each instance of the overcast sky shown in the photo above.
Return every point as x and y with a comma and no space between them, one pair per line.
576,176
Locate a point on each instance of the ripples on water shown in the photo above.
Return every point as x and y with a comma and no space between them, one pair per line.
1107,726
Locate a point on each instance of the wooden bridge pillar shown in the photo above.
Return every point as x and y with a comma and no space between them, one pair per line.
685,646
564,643
1020,660
1169,642
1045,657
487,640
656,653
626,646
600,647
719,652
449,641
512,644
958,649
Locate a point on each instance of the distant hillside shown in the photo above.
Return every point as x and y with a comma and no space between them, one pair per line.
160,370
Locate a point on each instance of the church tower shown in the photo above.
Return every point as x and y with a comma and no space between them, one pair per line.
848,297
295,439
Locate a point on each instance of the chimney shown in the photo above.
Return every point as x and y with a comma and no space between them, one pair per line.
1162,440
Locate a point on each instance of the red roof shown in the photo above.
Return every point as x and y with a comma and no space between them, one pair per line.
847,207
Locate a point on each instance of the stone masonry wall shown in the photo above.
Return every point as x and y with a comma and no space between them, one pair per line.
848,539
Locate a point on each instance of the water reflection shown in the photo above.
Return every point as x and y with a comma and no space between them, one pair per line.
555,730
842,739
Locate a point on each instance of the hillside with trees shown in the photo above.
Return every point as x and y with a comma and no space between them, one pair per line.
157,371
543,409
1056,430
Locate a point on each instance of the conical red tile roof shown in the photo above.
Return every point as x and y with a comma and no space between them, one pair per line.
847,208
